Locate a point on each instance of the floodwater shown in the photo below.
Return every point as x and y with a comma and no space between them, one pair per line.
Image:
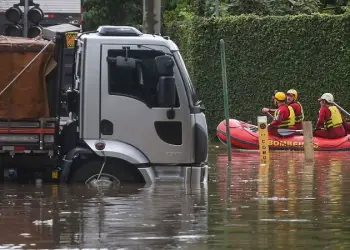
284,205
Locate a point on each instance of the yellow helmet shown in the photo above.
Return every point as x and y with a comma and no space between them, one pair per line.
280,96
293,92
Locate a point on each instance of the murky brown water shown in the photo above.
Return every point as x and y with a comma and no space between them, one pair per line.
287,205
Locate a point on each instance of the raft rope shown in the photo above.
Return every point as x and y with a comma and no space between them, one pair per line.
278,140
284,144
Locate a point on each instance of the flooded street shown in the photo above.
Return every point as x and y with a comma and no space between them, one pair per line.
286,205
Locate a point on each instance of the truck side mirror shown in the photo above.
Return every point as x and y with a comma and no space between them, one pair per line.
165,65
71,100
125,62
166,91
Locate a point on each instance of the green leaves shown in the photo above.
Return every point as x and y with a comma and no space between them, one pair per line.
113,12
206,8
273,7
310,53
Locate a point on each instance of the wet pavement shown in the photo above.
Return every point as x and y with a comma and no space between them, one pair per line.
285,205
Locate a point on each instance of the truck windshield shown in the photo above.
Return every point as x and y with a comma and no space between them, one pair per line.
188,83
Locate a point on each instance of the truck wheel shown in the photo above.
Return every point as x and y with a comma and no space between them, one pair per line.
89,173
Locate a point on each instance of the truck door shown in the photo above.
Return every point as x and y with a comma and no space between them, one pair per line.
130,112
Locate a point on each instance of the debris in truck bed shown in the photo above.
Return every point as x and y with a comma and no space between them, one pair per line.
27,97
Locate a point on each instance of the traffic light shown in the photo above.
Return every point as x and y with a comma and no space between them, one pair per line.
35,16
14,14
16,17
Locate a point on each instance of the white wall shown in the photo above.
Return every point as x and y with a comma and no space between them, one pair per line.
48,6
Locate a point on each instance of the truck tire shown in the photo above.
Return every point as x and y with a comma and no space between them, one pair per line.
114,173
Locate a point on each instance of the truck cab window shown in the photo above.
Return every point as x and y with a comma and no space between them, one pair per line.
141,82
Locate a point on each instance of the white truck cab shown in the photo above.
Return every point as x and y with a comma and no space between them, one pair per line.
136,111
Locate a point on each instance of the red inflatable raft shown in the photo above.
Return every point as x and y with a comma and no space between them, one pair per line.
245,136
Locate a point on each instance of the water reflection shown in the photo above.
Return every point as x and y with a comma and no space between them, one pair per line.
283,205
154,217
287,204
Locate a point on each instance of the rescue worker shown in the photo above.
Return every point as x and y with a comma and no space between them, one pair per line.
330,123
270,111
292,97
347,127
284,116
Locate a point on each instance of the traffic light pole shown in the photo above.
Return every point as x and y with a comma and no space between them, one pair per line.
25,18
152,16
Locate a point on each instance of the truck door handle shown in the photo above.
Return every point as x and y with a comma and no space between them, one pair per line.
106,127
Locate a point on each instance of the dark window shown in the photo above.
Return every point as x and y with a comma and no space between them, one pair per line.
184,72
132,82
79,65
78,69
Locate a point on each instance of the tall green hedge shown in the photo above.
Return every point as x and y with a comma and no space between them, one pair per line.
307,52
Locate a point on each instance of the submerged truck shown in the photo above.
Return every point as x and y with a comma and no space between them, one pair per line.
125,111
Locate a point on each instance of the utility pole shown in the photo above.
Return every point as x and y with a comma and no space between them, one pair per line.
25,18
217,8
151,16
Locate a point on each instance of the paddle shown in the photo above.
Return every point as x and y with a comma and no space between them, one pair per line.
285,131
341,109
270,115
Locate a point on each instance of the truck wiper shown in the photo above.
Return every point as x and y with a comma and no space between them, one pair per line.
198,103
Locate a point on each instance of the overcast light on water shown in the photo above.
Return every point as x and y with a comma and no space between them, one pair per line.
284,205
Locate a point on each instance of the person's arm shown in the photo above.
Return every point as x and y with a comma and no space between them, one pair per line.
296,107
344,122
266,110
279,118
321,118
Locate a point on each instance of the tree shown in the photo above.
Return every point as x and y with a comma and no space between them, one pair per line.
130,12
273,7
112,12
200,7
182,9
177,10
334,6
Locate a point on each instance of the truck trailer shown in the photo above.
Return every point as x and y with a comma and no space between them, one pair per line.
118,106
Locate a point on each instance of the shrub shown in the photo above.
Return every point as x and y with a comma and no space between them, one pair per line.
307,52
